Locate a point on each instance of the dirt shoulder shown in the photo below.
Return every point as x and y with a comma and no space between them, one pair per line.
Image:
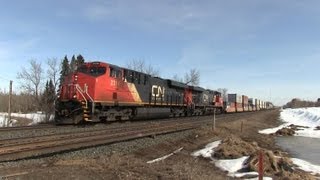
121,164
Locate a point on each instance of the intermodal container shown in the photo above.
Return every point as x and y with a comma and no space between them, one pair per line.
231,107
239,107
245,103
252,101
234,98
245,99
261,105
252,104
257,104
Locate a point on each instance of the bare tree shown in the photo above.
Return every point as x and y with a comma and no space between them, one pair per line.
192,78
224,93
152,71
177,78
136,64
141,66
31,79
53,71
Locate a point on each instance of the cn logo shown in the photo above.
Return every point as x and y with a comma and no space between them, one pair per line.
157,91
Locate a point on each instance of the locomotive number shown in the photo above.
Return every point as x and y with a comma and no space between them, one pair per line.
157,91
113,83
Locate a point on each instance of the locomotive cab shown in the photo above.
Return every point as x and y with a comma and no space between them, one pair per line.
96,90
75,101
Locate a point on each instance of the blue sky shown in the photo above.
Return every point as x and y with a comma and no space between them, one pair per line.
266,49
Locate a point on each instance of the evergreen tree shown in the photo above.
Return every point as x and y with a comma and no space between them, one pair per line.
44,97
48,98
80,60
73,64
65,69
51,93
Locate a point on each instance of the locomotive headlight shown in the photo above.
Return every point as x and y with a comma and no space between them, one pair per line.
76,77
74,96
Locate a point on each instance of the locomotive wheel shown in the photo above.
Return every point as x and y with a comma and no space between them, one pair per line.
78,119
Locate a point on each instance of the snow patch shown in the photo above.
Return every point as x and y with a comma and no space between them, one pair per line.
309,117
232,166
306,166
208,151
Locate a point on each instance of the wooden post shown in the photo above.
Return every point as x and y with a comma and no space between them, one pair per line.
214,120
241,125
260,165
10,97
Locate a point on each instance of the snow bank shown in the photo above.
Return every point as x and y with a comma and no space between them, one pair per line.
2,120
230,165
302,116
309,117
35,117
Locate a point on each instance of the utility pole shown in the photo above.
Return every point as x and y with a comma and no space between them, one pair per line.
10,97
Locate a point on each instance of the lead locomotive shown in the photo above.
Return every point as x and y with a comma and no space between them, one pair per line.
103,92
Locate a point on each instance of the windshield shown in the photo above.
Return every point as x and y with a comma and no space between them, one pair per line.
93,71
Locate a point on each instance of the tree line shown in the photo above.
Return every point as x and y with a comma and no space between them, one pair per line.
298,103
39,84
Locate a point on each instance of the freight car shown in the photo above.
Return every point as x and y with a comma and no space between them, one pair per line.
100,91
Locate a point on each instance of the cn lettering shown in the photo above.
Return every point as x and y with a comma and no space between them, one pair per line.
157,90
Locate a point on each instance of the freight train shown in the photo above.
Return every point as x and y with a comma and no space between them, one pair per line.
102,92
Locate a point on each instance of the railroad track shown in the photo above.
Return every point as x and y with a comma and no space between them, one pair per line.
51,126
35,127
20,148
14,149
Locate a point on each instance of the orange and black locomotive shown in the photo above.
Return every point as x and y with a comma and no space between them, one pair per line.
99,91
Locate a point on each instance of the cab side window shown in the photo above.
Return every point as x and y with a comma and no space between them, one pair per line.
115,73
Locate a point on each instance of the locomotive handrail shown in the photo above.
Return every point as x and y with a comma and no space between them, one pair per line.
81,92
86,91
